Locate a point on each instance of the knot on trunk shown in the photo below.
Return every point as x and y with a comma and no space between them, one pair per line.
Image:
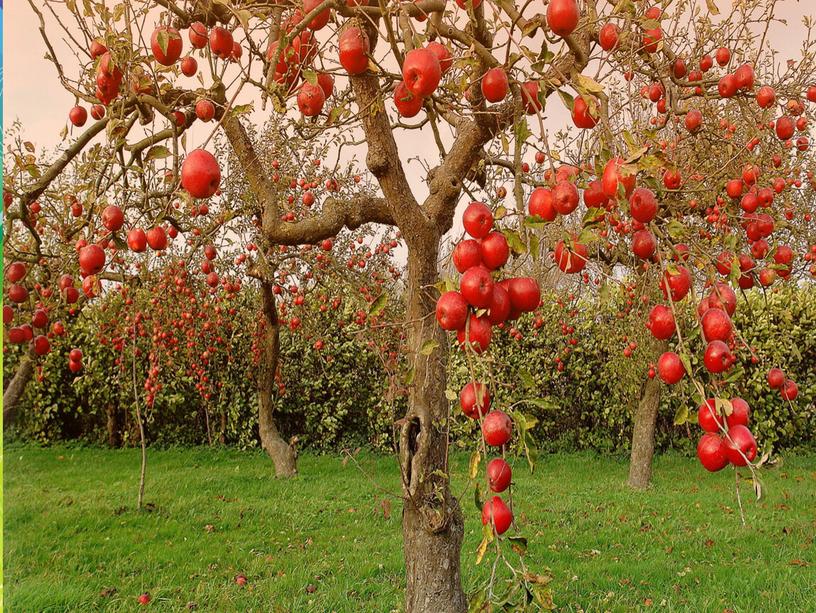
436,519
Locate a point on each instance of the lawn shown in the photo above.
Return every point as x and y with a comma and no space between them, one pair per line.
328,541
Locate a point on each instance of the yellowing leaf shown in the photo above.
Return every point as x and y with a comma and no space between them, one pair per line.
473,468
583,82
428,346
378,305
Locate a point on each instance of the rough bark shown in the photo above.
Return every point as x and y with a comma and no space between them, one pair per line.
640,463
15,389
283,455
432,521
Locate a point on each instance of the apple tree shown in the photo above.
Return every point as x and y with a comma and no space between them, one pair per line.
438,98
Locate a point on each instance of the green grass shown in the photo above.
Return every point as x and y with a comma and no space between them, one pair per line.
72,532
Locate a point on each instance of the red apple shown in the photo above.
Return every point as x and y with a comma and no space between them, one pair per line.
541,204
497,428
91,259
711,452
497,514
113,218
717,357
670,368
661,322
78,116
354,47
495,250
451,311
495,85
562,16
198,35
477,219
221,42
467,254
525,294
137,240
408,105
473,406
565,197
499,474
166,45
740,446
716,325
479,333
608,36
708,417
476,286
310,99
740,414
421,72
156,238
643,205
200,174
776,378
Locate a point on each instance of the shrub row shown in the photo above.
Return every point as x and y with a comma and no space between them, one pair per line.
343,395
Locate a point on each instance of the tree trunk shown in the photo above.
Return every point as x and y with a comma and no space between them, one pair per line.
640,463
283,455
432,522
114,429
16,388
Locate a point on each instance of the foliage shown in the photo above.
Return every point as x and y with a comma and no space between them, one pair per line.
340,396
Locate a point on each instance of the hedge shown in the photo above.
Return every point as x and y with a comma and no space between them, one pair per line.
345,395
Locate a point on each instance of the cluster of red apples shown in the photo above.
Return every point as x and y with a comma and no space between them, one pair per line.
481,303
727,438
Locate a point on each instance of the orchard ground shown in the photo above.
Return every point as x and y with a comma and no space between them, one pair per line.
329,540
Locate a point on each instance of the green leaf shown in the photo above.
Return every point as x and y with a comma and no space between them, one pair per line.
534,246
521,130
378,305
500,212
542,403
686,363
505,143
310,76
410,375
163,38
567,99
157,152
723,406
675,229
587,236
428,346
594,215
526,378
681,416
536,223
514,241
243,16
241,109
451,395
